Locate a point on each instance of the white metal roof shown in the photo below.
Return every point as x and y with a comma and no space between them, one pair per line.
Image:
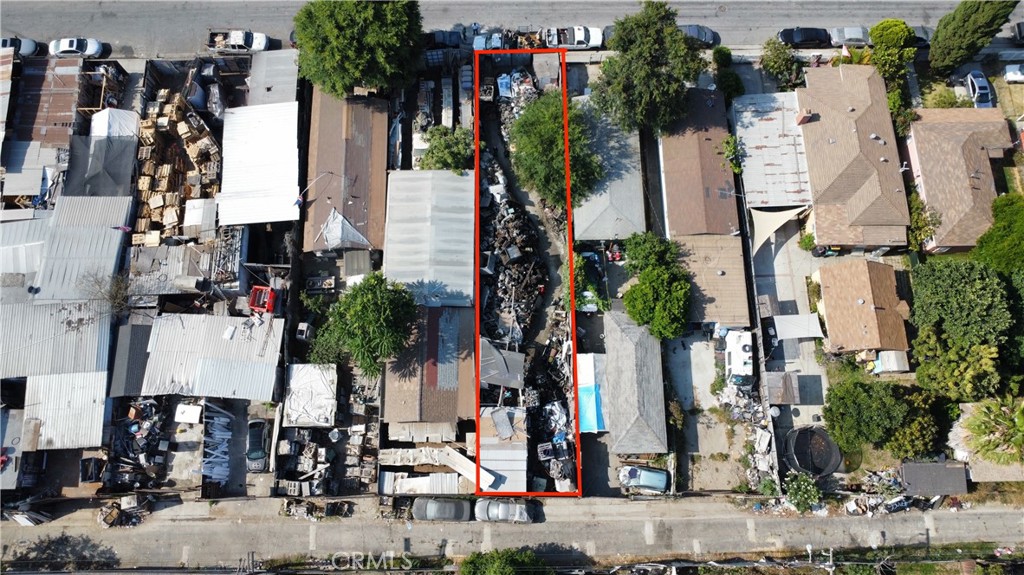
111,122
775,167
55,338
430,235
213,356
98,211
273,77
78,263
22,245
261,165
27,164
312,398
69,407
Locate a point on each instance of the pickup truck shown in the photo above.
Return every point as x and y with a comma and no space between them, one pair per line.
236,41
574,38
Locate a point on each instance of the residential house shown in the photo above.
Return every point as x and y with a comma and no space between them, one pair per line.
633,395
951,151
861,307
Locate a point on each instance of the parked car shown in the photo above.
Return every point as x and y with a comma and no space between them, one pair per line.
852,36
502,510
805,37
1014,74
645,479
574,38
23,47
440,509
923,37
82,47
257,447
979,89
1018,33
705,37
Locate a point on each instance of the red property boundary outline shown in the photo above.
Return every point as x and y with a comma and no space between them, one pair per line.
476,261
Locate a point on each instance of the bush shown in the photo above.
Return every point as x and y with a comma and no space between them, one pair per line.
801,491
807,242
718,385
730,83
777,59
947,98
768,487
722,57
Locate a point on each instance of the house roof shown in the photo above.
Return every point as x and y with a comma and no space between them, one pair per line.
636,416
69,408
852,158
615,208
775,168
260,174
698,189
499,367
312,399
434,379
273,78
717,274
130,358
934,478
952,151
213,356
55,338
348,173
504,458
431,237
862,310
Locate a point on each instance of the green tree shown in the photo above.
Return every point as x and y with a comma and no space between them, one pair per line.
350,44
538,157
644,84
966,300
370,322
660,300
892,33
965,31
1000,247
504,562
801,491
916,437
957,371
923,222
448,150
996,430
648,250
730,84
722,57
858,412
946,98
778,59
891,64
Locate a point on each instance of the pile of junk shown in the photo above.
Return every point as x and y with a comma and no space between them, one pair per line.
127,511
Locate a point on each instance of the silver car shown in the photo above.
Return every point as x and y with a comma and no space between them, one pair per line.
853,36
440,509
644,479
23,47
80,47
979,90
502,510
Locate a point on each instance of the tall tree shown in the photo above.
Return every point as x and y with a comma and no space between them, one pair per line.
660,300
916,437
647,250
370,322
504,562
857,412
343,45
997,430
448,150
1000,247
967,301
644,84
892,33
778,59
966,30
923,221
954,370
538,150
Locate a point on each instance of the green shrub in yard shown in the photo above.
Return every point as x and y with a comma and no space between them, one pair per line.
730,84
722,57
807,242
768,487
947,98
802,491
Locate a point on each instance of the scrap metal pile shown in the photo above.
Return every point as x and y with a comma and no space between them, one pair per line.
515,92
140,445
128,511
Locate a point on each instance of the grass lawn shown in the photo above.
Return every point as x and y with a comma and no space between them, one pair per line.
928,569
1009,97
1006,493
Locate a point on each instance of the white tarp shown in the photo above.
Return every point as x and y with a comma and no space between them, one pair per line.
767,223
797,326
112,123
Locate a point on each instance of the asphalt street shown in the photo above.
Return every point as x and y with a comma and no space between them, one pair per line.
608,531
148,29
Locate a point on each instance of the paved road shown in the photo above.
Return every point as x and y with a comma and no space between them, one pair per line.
151,29
610,531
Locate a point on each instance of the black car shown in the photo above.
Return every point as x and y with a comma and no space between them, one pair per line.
704,36
805,37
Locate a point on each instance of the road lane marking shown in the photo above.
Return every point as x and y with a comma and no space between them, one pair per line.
186,550
929,523
696,546
591,548
649,532
751,530
486,545
312,537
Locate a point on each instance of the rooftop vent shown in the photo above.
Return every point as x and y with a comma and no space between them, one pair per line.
874,136
860,301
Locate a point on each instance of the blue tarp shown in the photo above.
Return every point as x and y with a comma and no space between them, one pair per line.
591,420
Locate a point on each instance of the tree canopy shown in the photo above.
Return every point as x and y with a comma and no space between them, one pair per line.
996,430
964,299
660,300
916,437
923,221
504,562
537,138
858,412
801,491
644,84
358,43
370,322
647,250
777,59
448,150
954,370
966,30
892,33
1000,247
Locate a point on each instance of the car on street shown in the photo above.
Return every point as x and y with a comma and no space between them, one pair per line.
979,90
852,36
257,446
805,37
574,38
81,47
922,37
502,510
23,47
1014,74
440,509
704,36
644,479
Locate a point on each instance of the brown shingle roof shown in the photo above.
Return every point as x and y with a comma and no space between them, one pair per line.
952,150
698,187
348,137
719,292
852,158
862,310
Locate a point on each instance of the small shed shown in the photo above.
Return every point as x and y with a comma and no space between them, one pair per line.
935,478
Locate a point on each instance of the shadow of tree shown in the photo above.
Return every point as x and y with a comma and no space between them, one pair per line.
64,553
557,554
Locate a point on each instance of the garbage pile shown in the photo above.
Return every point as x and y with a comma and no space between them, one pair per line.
885,482
128,511
515,92
313,511
558,454
743,407
141,444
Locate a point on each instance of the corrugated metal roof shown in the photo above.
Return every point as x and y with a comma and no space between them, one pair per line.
261,165
152,271
6,69
201,219
213,356
130,360
78,263
274,77
22,245
430,241
26,163
69,408
46,110
775,169
87,211
505,459
312,398
54,338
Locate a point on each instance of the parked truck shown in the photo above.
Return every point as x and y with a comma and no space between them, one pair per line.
236,41
574,38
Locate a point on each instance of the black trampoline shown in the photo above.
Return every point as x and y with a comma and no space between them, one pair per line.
810,450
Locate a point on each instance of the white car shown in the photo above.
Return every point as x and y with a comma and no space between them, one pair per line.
23,47
1014,74
853,36
83,47
979,90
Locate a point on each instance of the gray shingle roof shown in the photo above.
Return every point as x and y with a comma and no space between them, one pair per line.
634,389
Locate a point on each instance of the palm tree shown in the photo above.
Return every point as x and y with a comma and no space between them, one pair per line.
997,430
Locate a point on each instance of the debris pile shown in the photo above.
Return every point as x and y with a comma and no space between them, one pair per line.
515,92
142,441
314,511
128,511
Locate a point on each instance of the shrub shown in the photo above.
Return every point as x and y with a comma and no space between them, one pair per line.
807,242
730,83
722,57
801,491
